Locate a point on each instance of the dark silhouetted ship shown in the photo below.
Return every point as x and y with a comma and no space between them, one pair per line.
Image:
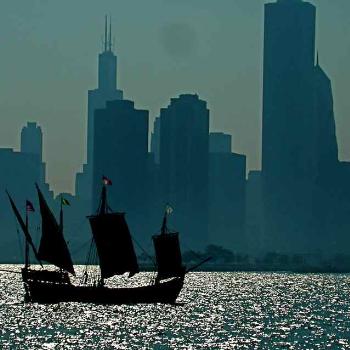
112,245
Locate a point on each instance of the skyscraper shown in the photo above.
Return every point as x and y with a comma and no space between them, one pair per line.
121,154
97,98
32,139
288,118
227,193
326,138
184,152
299,147
32,143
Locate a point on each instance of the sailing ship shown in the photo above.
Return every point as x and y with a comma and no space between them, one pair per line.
112,241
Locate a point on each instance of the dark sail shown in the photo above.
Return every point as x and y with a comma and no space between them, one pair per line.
114,245
53,247
24,227
168,255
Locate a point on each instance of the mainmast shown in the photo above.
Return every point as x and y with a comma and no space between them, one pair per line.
112,238
26,252
29,208
103,202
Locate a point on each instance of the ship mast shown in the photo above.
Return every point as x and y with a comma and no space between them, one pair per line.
112,239
26,252
164,228
168,252
103,203
24,228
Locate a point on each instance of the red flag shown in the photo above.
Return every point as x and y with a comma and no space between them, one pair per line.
29,206
106,181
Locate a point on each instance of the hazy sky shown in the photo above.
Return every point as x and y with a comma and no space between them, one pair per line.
214,48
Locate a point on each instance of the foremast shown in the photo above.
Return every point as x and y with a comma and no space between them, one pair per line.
112,239
25,230
53,247
168,252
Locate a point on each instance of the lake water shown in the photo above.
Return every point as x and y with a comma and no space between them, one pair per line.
216,311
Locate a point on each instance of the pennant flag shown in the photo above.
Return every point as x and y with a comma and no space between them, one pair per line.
168,209
106,181
29,206
64,201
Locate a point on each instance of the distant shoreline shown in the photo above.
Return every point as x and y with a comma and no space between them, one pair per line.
247,268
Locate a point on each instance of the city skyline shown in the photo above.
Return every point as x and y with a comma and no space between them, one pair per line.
65,69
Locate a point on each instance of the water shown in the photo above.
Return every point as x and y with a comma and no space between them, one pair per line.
215,311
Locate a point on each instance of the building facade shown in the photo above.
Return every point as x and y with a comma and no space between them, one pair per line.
184,152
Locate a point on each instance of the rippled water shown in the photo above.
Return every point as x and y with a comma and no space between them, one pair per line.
215,311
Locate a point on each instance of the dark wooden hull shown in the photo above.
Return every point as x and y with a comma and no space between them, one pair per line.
47,292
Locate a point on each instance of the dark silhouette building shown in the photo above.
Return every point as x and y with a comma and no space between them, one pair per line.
257,243
19,173
299,148
220,142
288,106
32,143
184,152
121,154
155,140
326,138
227,194
97,98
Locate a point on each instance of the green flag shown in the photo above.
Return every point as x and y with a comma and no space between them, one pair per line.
64,201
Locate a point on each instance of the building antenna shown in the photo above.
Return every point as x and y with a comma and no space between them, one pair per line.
110,34
105,43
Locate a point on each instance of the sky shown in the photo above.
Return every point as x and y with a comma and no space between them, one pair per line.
49,49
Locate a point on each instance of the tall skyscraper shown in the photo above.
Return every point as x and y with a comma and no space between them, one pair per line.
184,151
32,139
97,98
121,154
32,143
326,138
288,108
299,147
19,173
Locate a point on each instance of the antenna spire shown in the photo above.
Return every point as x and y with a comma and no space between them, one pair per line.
110,34
105,41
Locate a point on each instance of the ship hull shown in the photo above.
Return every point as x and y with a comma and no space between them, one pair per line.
46,292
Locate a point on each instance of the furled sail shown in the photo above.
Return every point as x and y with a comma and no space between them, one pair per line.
24,227
53,248
114,244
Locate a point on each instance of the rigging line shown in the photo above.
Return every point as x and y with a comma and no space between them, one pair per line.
87,260
139,245
76,250
198,256
80,224
19,240
20,244
197,265
96,262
